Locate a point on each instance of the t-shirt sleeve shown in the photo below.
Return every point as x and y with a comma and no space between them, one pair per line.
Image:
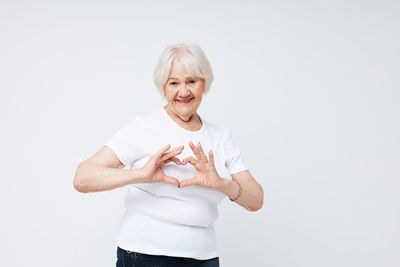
234,161
125,142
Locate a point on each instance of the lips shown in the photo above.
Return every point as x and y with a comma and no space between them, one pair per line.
185,101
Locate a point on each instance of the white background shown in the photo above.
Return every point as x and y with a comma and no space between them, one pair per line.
310,90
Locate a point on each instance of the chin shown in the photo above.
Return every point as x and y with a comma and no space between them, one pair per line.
185,111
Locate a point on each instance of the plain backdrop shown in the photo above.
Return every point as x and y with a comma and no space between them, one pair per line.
310,90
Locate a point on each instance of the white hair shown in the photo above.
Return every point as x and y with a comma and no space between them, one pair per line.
193,59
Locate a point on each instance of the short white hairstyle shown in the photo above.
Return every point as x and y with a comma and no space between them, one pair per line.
193,59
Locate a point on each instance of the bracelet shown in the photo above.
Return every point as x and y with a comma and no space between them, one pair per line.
240,191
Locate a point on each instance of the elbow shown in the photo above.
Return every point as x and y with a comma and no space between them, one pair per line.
256,208
260,201
78,181
78,186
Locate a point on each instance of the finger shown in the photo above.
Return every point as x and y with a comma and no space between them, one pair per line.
211,156
170,179
189,159
176,148
187,182
200,150
171,154
162,163
156,156
162,150
176,160
194,149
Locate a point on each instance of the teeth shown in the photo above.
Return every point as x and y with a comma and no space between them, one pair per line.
185,101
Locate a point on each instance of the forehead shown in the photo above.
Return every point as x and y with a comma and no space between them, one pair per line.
178,71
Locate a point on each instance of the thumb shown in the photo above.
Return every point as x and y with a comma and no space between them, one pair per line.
170,179
187,182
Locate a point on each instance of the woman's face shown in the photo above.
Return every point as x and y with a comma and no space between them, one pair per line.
179,88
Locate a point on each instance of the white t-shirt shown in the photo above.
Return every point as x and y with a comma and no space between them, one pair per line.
160,218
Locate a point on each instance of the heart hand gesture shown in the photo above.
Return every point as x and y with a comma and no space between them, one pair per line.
152,171
206,175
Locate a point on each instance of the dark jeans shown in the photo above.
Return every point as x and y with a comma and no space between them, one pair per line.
135,259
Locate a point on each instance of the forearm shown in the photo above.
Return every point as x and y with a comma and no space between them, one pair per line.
90,177
251,197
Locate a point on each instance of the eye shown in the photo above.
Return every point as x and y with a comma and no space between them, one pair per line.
192,81
172,83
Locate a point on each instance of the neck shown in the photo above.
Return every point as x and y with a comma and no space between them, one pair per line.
190,122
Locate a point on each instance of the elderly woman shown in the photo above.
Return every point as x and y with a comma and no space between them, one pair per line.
178,168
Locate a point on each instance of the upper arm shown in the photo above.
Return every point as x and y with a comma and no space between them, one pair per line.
125,144
106,157
234,161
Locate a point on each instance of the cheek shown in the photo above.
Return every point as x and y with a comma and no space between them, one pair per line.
200,90
199,93
169,95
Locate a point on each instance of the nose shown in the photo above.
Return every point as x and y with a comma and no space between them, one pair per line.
184,91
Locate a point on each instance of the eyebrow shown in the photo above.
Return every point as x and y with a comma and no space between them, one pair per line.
170,78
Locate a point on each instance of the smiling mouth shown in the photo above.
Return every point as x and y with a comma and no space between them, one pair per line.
185,101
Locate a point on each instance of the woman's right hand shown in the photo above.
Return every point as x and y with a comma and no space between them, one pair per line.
152,171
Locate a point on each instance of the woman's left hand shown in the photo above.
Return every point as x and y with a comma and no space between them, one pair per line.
206,175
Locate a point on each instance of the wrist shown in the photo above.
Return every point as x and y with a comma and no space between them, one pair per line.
221,185
229,188
137,176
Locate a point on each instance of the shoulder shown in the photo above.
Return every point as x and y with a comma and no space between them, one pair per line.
131,126
134,123
144,119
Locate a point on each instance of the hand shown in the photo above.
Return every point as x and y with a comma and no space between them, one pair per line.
206,175
152,171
